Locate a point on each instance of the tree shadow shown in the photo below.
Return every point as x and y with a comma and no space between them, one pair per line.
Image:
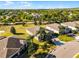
58,43
44,55
19,33
51,56
40,55
55,35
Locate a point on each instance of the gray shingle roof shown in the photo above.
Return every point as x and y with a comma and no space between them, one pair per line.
54,26
9,46
33,30
73,24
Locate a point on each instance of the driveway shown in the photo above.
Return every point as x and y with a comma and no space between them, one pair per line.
68,50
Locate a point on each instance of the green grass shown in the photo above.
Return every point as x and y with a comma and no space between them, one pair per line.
19,29
65,38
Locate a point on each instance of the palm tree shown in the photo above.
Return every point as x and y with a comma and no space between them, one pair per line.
49,35
42,33
30,44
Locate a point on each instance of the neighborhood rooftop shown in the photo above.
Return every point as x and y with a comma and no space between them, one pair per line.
72,24
53,27
9,46
33,30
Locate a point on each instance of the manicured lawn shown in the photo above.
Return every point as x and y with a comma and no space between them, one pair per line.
65,38
20,30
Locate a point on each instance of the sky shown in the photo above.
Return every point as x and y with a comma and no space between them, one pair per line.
38,4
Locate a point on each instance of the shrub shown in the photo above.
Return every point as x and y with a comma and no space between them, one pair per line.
13,30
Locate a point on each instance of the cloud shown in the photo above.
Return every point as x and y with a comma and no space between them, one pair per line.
25,4
16,5
8,2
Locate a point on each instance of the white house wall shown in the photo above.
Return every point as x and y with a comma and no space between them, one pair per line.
52,29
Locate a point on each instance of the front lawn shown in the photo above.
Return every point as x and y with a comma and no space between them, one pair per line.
65,38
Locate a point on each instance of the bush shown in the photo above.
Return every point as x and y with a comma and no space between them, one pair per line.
13,30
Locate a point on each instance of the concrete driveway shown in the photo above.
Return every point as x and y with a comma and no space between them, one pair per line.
68,50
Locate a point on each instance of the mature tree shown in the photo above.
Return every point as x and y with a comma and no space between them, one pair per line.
32,47
42,33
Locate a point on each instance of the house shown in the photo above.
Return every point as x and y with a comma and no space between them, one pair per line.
11,47
69,25
32,31
53,27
